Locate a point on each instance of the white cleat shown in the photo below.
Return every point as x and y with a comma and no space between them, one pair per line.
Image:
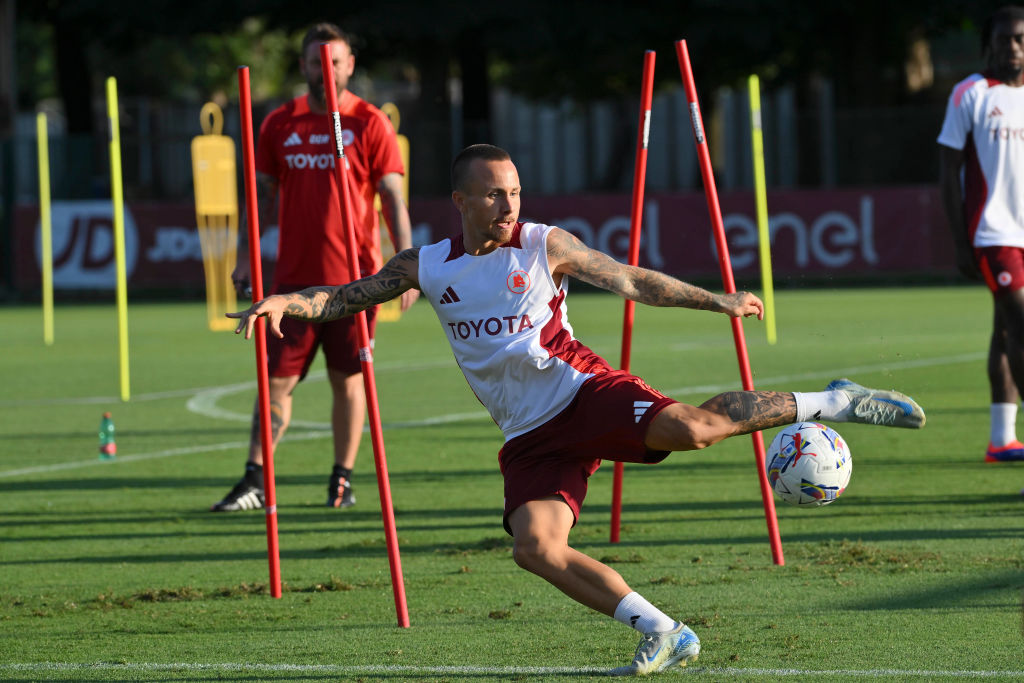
878,406
658,651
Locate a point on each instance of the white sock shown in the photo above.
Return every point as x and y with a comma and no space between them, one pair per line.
634,611
1003,428
815,406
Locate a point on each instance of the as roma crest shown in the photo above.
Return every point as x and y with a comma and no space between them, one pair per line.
518,281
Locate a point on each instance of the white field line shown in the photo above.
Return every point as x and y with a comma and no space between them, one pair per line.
204,402
230,445
328,669
836,373
317,375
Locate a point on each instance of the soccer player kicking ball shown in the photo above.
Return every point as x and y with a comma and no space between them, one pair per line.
499,290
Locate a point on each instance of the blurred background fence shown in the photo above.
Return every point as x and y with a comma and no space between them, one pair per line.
853,96
559,148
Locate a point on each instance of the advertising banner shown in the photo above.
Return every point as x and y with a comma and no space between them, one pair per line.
846,233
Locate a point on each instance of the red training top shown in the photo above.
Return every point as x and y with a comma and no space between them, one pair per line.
296,147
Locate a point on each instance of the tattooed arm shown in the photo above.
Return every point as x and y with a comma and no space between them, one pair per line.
320,304
567,255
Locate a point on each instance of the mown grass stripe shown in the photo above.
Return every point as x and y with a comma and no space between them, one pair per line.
204,401
470,670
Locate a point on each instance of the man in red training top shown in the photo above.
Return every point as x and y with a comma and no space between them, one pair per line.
295,172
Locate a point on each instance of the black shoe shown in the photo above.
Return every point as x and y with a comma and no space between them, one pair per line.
244,496
339,492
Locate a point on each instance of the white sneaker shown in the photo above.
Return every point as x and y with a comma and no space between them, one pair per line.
658,651
879,407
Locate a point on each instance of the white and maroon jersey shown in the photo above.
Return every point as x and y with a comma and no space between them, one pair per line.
506,322
985,119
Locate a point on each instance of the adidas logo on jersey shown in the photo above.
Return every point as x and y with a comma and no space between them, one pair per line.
292,140
450,296
639,408
995,112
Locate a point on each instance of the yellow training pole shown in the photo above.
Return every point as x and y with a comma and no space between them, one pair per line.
761,198
117,196
45,226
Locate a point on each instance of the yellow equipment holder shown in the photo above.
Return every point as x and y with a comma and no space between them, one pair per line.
391,311
214,179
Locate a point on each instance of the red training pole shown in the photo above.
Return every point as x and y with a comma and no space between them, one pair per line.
365,352
262,380
635,216
711,193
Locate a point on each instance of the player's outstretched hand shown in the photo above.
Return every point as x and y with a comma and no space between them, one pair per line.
742,304
272,307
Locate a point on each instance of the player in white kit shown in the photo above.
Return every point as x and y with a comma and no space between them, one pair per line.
982,143
499,290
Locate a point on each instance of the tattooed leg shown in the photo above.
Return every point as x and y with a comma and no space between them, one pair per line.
682,427
752,411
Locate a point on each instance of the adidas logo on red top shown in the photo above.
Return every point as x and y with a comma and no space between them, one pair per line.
639,408
995,112
292,140
450,296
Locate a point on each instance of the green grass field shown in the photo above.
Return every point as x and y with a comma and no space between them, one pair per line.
116,571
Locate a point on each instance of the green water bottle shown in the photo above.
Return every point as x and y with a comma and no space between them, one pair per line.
108,448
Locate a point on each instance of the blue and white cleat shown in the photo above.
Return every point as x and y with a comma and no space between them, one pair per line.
878,406
658,651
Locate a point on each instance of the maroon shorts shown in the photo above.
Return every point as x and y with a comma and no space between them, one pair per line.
294,354
1002,268
606,420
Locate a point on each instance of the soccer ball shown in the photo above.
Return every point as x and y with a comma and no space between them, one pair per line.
808,464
